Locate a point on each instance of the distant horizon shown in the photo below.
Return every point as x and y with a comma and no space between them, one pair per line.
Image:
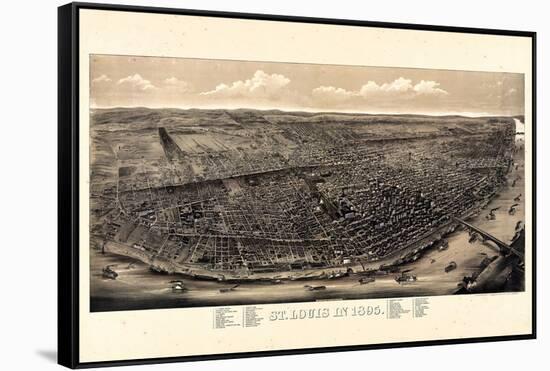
313,111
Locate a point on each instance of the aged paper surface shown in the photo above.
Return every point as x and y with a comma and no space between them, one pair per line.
121,335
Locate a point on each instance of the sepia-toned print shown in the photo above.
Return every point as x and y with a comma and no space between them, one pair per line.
220,182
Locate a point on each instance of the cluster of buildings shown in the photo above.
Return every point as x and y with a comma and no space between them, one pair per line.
333,197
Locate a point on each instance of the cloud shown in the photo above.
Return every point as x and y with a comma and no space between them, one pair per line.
400,87
429,87
137,82
260,84
102,78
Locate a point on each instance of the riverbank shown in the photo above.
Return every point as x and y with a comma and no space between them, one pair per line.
396,258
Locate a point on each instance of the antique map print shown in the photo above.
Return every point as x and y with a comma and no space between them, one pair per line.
219,182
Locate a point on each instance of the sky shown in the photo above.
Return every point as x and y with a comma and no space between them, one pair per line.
127,81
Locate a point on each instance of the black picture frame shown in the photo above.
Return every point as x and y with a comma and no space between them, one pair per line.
68,180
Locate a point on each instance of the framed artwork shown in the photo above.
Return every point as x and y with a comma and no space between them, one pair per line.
237,185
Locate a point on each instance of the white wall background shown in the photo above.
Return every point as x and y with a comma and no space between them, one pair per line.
28,181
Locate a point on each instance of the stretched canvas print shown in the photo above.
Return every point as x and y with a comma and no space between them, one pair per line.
247,191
